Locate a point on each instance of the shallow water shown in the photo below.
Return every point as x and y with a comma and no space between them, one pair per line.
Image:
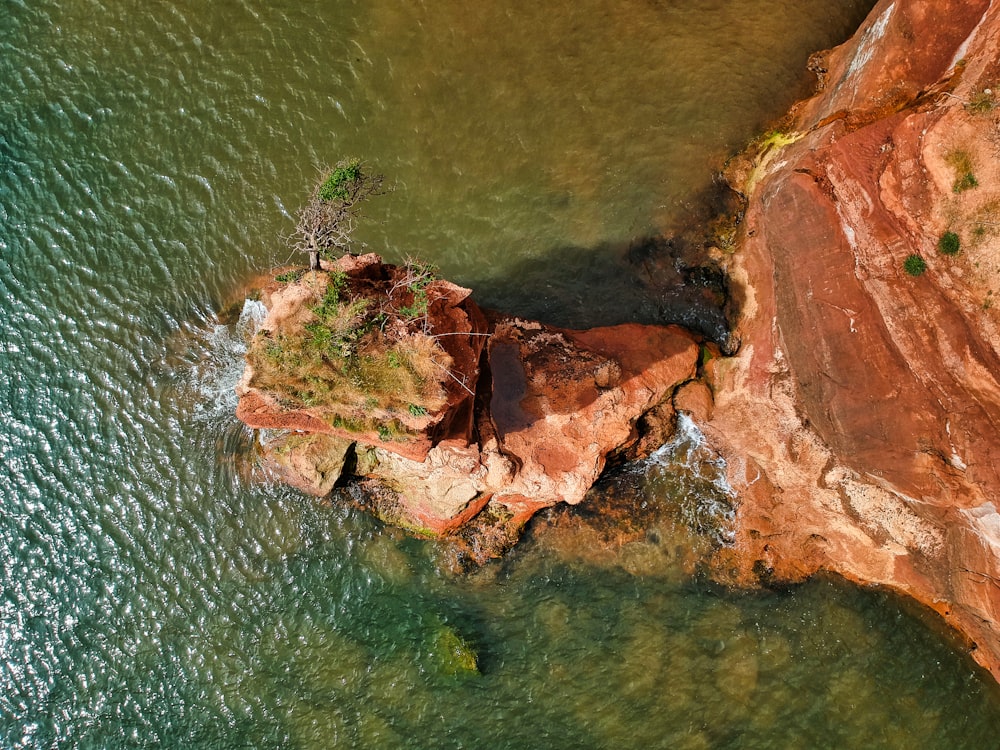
157,591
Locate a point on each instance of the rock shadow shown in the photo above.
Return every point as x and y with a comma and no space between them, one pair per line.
678,279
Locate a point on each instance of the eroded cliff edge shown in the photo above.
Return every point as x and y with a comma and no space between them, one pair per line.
860,417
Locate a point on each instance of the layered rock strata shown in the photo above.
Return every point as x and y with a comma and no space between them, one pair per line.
860,418
528,424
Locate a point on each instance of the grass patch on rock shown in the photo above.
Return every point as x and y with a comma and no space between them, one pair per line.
343,351
961,161
981,102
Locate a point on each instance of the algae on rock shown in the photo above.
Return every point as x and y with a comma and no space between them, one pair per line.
453,656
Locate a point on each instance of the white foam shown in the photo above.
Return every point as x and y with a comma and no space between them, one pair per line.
251,317
706,501
222,362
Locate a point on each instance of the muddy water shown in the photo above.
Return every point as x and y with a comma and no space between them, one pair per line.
158,592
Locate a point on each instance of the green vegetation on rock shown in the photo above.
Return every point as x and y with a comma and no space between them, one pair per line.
949,244
965,178
419,277
966,181
914,265
351,354
981,102
289,276
768,146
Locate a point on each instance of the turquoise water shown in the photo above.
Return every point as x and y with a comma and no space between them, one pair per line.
159,591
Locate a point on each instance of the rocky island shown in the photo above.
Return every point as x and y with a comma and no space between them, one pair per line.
455,422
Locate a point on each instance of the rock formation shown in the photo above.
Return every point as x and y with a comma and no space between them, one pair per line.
347,352
482,442
860,418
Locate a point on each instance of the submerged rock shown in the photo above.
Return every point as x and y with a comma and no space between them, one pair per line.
455,424
452,655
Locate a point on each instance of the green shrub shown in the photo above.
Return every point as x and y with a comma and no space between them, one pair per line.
329,307
981,102
966,182
914,265
418,277
336,186
320,337
419,307
949,244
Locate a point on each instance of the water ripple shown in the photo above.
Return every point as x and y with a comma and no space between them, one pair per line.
155,591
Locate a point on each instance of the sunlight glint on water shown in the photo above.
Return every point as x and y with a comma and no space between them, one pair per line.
159,591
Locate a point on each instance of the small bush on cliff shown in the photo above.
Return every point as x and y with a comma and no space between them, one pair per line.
981,102
327,222
289,276
418,277
967,181
914,265
949,244
329,305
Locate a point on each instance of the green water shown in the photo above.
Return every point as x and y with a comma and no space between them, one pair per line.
159,591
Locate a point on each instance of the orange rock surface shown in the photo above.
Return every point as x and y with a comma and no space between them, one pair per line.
558,403
860,418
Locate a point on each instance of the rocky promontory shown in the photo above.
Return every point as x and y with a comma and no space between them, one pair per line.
861,418
448,421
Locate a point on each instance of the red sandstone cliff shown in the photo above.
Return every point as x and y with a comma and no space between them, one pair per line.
860,418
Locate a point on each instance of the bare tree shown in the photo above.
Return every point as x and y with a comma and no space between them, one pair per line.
328,220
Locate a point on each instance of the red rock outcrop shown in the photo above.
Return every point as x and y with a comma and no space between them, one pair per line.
563,400
860,418
449,308
553,405
559,403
